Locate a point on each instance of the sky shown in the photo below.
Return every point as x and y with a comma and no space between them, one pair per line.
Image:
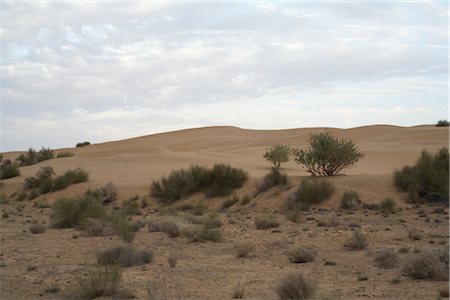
102,71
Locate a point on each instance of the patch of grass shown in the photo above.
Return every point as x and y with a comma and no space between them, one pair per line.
125,256
37,228
387,206
244,249
64,154
295,286
100,281
274,178
266,223
220,180
230,202
9,169
309,192
387,258
357,241
427,264
350,199
301,255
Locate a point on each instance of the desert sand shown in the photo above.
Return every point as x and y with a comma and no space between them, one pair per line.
212,270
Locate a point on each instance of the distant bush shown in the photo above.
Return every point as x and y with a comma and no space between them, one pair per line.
442,123
428,180
301,255
72,212
277,154
230,202
387,206
9,169
357,241
309,192
350,199
266,223
131,207
328,221
427,264
169,227
125,256
387,258
295,286
414,234
37,228
201,234
83,144
244,249
64,154
45,182
106,193
327,155
274,178
32,157
220,180
100,281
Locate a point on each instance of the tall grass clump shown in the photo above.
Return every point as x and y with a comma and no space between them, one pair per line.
295,286
220,180
32,156
309,192
99,281
9,169
428,179
350,199
387,206
274,178
125,256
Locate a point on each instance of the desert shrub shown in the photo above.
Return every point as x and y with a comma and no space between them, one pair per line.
443,292
230,202
201,234
122,227
1,157
37,228
277,154
293,215
309,192
328,221
428,179
220,180
357,241
96,227
9,169
238,292
245,200
198,209
22,196
64,154
169,227
244,249
32,157
136,225
130,207
414,234
427,264
350,199
106,193
45,154
125,256
295,286
387,206
72,212
387,258
33,194
266,223
83,144
209,223
327,155
99,281
301,255
274,178
442,123
172,260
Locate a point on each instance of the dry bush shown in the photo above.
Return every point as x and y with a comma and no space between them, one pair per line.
172,260
274,178
443,292
136,225
301,255
357,241
427,264
387,206
201,234
230,202
328,221
350,199
266,223
170,228
209,223
238,292
387,258
96,227
295,286
414,234
309,192
244,249
37,228
164,289
99,281
124,256
106,193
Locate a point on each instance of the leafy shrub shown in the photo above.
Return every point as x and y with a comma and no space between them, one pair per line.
357,241
230,202
301,255
274,178
83,144
106,193
99,281
442,123
72,212
131,207
309,192
428,179
123,227
37,228
64,154
295,286
427,264
266,223
277,154
125,256
32,157
327,155
244,249
387,206
45,182
350,199
220,180
9,169
387,258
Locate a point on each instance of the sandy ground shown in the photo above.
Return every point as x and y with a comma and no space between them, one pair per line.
212,270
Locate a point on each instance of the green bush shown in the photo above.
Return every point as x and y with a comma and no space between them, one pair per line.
99,281
32,157
123,227
428,179
274,178
9,169
83,144
72,212
442,123
350,199
387,206
45,182
309,192
327,155
220,180
64,154
277,154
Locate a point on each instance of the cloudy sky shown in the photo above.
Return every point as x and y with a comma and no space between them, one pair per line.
74,71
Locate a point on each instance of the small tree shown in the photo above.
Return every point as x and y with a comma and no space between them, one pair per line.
278,154
327,155
442,123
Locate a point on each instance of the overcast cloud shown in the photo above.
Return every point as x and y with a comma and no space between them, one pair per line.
77,71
